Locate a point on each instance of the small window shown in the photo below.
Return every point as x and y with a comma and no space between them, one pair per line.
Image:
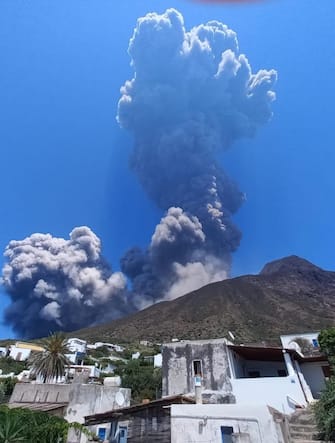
197,368
282,373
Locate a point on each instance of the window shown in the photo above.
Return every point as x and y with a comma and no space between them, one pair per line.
227,434
315,343
282,373
102,433
197,368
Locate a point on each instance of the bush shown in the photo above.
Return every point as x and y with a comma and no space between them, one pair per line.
8,365
326,341
325,411
143,379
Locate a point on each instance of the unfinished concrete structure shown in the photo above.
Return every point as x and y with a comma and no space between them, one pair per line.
183,361
71,401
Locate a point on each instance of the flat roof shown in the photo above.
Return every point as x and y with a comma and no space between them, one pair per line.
106,417
44,407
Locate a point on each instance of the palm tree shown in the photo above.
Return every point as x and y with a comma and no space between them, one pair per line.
50,364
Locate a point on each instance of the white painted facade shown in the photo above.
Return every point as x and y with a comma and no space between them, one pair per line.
275,377
19,354
206,422
282,393
314,376
76,345
288,341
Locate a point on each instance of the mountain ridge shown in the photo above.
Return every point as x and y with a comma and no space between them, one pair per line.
289,295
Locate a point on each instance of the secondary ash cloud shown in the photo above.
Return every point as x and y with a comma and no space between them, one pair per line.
192,95
60,284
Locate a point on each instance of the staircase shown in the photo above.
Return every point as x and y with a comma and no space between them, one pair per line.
302,427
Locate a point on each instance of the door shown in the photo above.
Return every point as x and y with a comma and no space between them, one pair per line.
227,434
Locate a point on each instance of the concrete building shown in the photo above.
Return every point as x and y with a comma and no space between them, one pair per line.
71,401
280,378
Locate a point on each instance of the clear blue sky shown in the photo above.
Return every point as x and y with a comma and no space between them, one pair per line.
64,162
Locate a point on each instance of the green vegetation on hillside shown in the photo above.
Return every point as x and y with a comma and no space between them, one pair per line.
8,365
144,380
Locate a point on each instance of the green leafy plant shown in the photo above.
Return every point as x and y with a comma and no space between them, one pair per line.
23,425
326,341
325,411
8,365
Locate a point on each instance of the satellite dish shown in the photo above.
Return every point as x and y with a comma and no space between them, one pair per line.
231,335
119,398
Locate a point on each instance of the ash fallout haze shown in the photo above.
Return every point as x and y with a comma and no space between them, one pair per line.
157,159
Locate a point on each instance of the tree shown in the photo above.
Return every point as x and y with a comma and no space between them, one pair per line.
50,364
143,379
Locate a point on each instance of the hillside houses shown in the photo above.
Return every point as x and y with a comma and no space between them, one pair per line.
242,393
212,390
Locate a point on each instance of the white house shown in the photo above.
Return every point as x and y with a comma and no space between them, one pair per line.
277,377
21,351
76,345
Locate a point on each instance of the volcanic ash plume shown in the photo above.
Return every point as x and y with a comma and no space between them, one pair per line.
192,95
60,284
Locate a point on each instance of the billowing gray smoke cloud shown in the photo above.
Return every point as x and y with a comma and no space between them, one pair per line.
60,284
193,94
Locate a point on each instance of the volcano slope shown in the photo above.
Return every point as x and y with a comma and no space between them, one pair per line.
289,295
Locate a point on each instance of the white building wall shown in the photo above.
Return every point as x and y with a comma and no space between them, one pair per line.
202,423
281,393
314,377
76,345
287,340
19,354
